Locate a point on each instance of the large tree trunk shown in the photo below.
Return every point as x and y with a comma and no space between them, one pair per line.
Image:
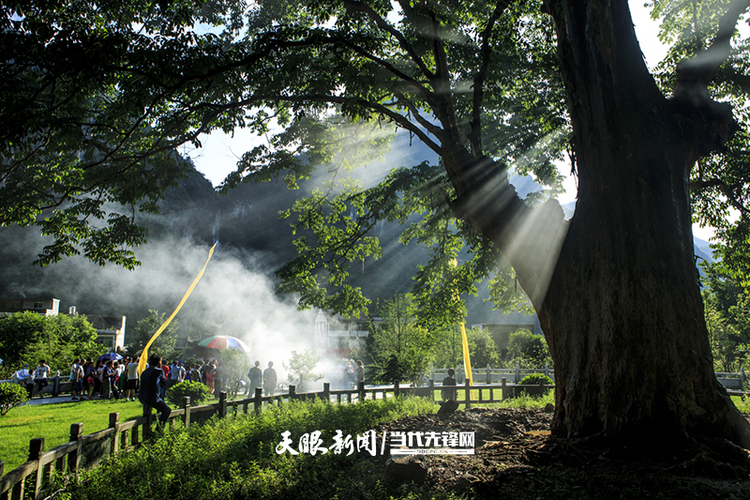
623,313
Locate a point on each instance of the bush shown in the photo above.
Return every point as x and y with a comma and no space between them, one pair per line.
535,378
11,395
196,391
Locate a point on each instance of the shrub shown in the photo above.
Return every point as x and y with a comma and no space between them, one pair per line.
11,395
196,391
535,378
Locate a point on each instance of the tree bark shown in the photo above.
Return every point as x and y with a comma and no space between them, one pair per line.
622,313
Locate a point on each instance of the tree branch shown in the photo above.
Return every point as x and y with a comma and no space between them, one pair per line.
475,134
694,75
726,189
385,26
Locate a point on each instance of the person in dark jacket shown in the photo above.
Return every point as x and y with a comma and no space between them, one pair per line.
447,392
153,388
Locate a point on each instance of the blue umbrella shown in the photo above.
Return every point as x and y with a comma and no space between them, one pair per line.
110,356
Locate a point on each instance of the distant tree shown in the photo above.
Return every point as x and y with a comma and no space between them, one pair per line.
482,348
528,349
449,350
164,345
300,367
727,311
28,337
399,347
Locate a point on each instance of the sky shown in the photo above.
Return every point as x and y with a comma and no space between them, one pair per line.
220,151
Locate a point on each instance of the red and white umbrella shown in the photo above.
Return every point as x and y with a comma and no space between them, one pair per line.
224,342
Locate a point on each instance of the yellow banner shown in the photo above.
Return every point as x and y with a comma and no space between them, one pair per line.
144,354
467,361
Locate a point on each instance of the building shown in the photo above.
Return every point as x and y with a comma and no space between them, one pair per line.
508,323
336,336
110,330
46,306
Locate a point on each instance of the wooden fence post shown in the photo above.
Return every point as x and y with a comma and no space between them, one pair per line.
432,389
504,383
186,407
327,392
395,388
468,393
147,428
74,458
489,374
258,401
222,404
36,449
292,392
114,420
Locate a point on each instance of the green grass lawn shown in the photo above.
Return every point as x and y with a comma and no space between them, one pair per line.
52,422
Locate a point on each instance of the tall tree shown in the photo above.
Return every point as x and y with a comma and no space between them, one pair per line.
27,337
164,345
400,348
491,88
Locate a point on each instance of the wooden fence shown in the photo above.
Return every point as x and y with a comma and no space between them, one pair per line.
34,478
489,375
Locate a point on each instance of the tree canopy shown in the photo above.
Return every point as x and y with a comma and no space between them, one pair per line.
492,88
27,337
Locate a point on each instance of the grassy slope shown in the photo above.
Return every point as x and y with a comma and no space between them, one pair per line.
52,422
237,458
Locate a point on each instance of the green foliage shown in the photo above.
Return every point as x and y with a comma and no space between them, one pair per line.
524,400
536,378
85,145
719,183
726,308
234,364
482,348
399,347
236,457
11,395
528,350
28,337
301,366
196,391
164,345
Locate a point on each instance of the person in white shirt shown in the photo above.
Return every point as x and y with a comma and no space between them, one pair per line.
41,374
131,387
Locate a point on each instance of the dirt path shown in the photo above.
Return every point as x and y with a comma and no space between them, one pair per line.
514,457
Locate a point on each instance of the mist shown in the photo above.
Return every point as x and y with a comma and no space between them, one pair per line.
234,297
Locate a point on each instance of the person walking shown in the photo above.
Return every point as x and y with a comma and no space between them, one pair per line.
256,378
76,380
28,379
269,380
153,387
360,373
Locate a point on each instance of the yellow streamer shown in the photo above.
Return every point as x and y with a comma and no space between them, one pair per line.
144,354
465,341
467,361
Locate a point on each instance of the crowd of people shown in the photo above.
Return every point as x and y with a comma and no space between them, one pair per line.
119,379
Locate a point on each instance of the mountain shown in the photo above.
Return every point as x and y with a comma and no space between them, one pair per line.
253,244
